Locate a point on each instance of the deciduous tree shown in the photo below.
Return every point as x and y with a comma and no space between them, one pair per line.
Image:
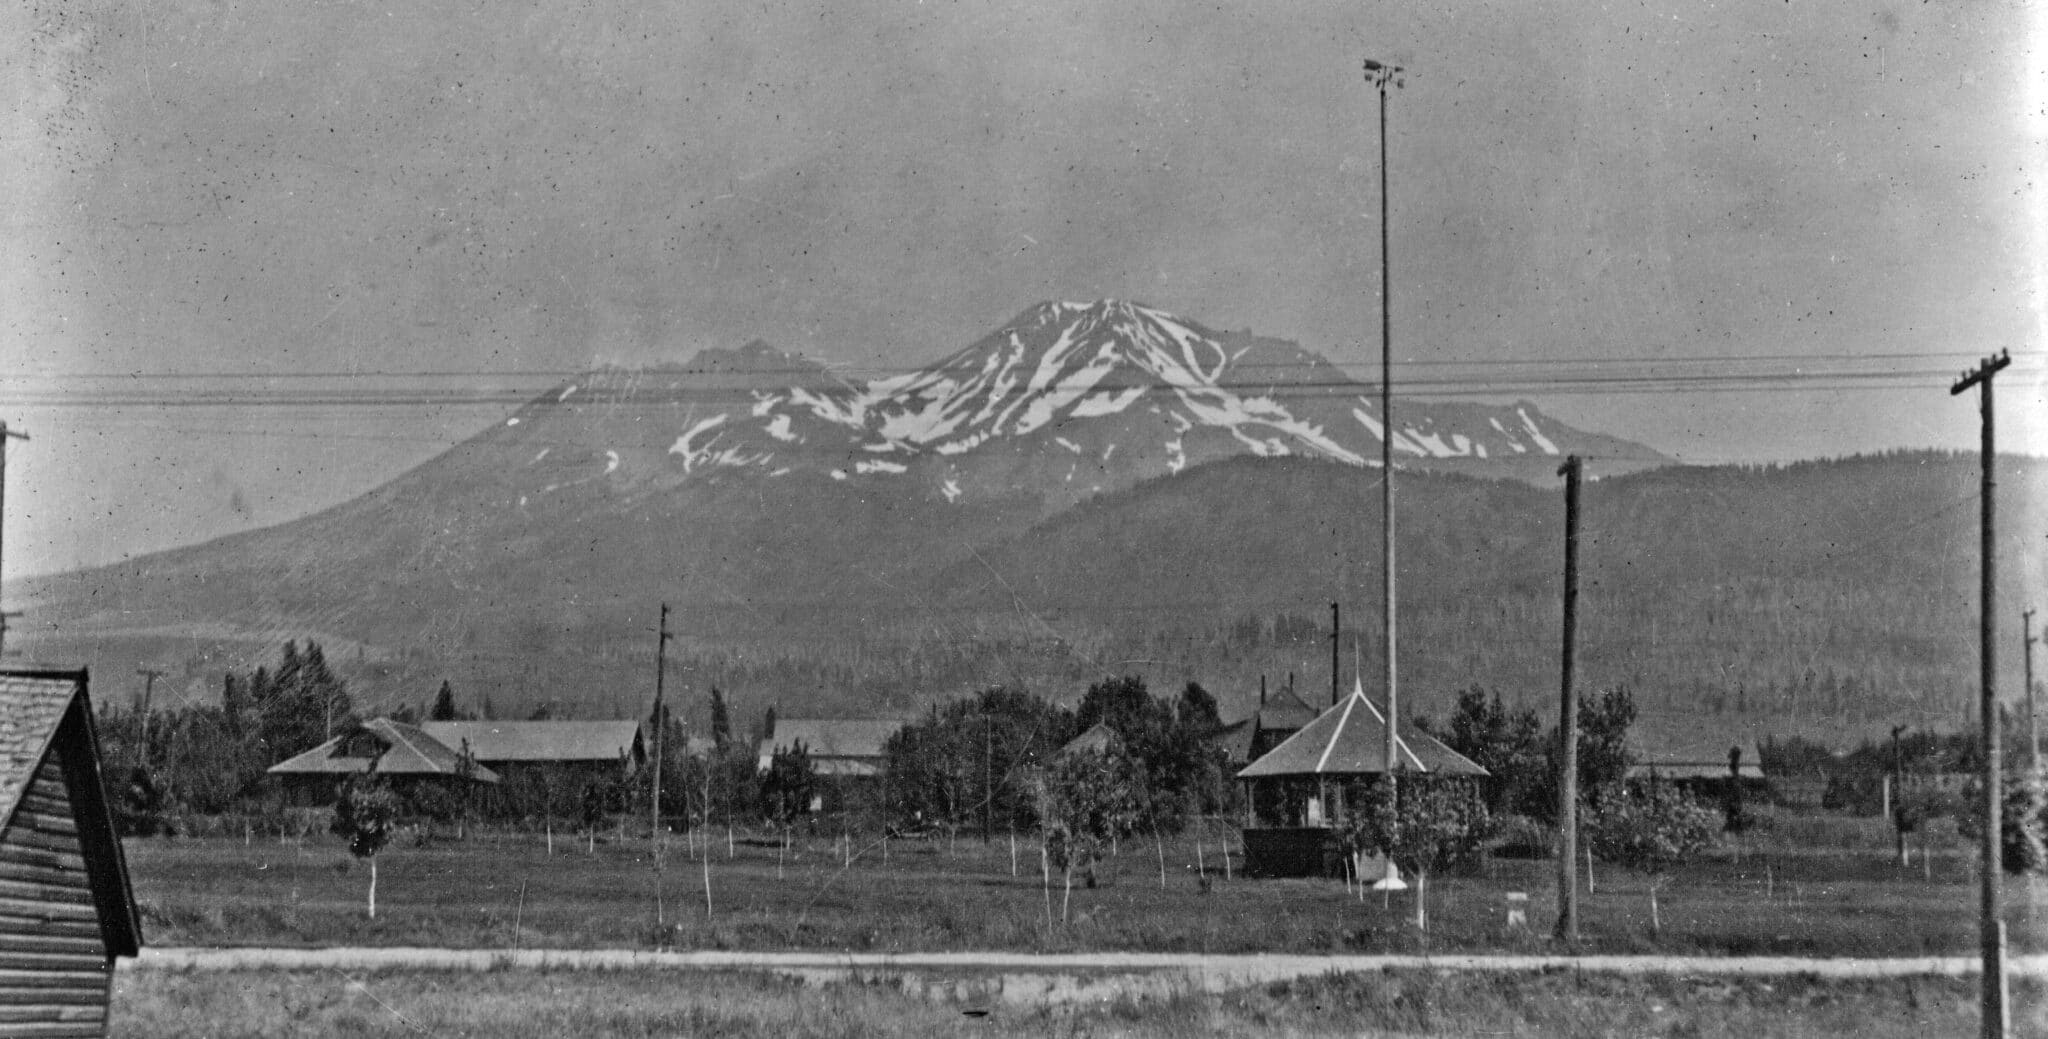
1653,827
1086,799
366,814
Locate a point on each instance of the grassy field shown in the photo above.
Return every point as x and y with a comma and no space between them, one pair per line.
508,892
519,1004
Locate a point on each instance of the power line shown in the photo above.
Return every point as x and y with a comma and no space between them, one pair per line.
1744,373
216,375
1615,385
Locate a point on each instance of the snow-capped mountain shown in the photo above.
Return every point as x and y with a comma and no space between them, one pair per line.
1067,401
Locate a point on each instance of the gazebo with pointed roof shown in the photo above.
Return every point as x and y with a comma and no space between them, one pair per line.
1295,807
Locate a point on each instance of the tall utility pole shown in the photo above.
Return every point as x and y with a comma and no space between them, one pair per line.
2033,722
1336,666
1380,76
5,435
988,774
149,677
660,723
1991,923
1568,719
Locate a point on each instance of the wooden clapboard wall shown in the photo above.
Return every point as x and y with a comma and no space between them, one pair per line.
55,967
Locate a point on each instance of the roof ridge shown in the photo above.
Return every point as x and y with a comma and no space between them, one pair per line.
1336,733
394,727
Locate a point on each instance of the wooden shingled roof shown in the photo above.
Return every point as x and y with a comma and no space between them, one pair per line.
1351,739
547,741
46,712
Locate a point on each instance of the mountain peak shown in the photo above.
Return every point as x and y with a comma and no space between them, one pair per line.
1067,400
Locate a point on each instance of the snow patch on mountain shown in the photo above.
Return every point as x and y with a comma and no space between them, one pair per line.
1401,443
1106,402
1535,433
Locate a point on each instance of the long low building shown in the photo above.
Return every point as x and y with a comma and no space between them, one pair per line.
383,746
485,751
837,747
503,744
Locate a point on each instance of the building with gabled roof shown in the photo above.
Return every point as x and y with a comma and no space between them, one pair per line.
501,744
66,909
853,747
380,745
1278,716
1099,739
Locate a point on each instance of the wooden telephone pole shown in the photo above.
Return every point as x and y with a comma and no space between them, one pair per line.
5,435
660,723
149,677
1336,667
1381,76
2033,722
1991,922
1568,719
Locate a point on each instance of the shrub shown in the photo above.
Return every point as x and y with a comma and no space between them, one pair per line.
1651,827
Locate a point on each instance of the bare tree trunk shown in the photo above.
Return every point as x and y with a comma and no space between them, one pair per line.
1160,846
1067,899
1656,922
1045,883
373,887
1422,901
707,887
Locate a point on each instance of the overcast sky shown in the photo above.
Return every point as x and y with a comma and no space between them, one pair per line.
206,188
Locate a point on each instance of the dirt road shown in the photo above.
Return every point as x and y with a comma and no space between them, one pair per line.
1208,973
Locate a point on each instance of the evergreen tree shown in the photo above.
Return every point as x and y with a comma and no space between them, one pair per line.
444,709
787,786
327,693
234,705
721,719
1197,709
1507,744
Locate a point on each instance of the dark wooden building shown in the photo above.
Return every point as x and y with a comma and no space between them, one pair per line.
66,912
